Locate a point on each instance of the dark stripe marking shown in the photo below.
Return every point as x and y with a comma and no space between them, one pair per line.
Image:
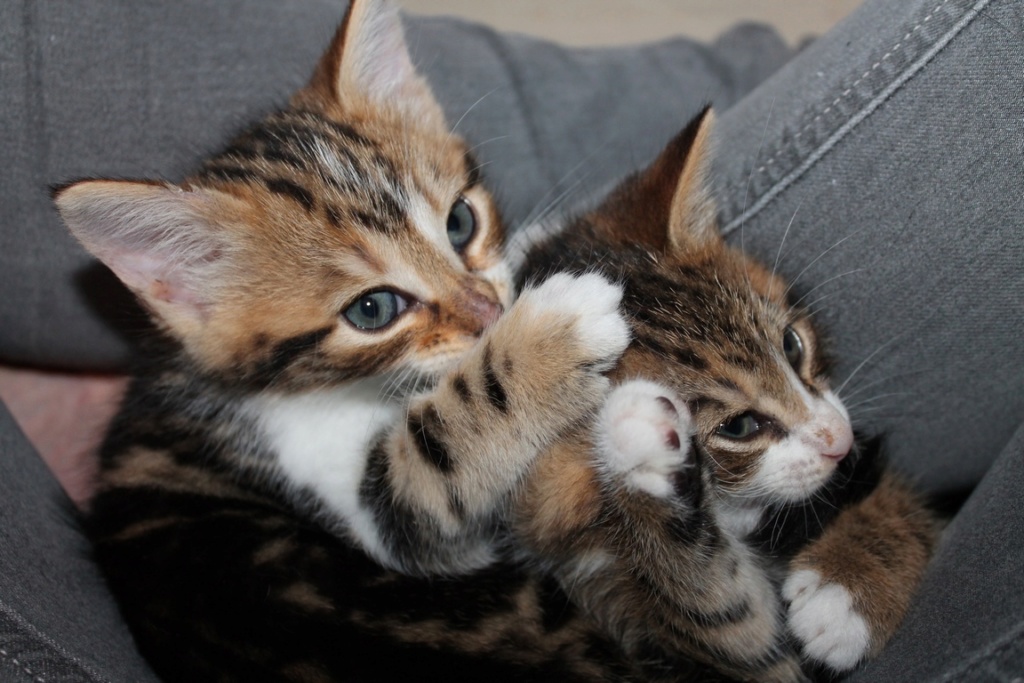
424,430
231,173
292,190
334,215
342,130
461,388
289,350
285,157
367,220
495,391
388,209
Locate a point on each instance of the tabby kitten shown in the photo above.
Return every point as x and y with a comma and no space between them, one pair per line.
339,404
719,506
334,253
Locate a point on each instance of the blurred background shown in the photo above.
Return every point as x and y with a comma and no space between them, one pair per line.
620,22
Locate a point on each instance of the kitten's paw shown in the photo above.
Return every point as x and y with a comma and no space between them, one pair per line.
600,330
822,616
643,436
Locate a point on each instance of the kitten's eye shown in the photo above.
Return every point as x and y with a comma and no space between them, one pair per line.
793,347
461,224
740,427
375,310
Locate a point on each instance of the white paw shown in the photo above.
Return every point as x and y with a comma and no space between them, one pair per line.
600,329
822,617
643,435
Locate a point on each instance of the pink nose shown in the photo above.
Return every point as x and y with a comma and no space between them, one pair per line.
484,311
835,441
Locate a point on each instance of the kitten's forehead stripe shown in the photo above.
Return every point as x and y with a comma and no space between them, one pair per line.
315,150
231,174
334,215
292,190
687,356
387,211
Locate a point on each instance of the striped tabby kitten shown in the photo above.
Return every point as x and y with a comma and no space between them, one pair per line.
719,507
341,409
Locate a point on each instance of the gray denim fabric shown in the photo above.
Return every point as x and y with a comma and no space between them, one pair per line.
894,146
881,167
57,620
968,624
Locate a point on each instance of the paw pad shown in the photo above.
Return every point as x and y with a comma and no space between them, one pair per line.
642,438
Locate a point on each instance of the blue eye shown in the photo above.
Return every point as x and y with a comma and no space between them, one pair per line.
740,427
461,224
375,310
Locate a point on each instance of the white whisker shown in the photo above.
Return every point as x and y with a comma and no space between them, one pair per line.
864,362
825,282
854,406
888,378
471,108
816,259
778,254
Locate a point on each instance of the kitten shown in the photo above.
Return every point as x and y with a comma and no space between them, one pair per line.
334,254
341,408
719,506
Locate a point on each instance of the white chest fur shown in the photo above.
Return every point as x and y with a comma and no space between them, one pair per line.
321,440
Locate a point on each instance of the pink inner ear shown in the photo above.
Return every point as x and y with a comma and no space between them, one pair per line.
155,279
157,239
377,60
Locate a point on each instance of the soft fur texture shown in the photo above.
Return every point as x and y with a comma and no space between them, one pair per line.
352,457
722,465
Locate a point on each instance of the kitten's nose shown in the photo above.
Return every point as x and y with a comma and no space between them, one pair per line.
836,453
835,440
832,434
483,309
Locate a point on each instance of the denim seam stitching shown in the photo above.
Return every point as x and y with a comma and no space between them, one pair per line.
787,180
56,649
5,655
987,655
850,89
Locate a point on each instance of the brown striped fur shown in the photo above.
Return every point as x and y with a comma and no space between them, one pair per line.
285,496
254,265
712,563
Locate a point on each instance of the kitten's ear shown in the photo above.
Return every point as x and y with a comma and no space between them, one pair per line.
368,60
157,239
693,216
667,206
